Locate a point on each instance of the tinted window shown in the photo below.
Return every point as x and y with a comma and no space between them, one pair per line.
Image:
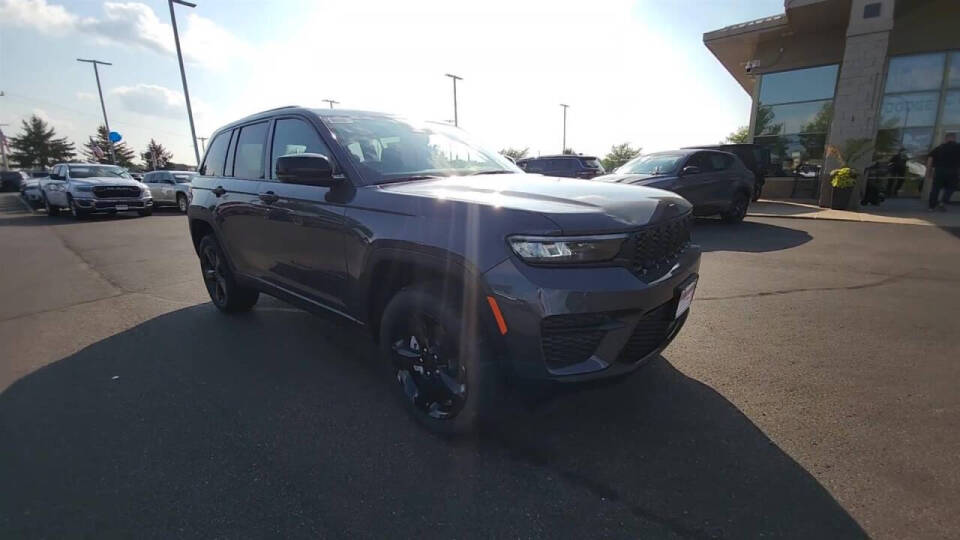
798,85
701,160
720,162
213,162
248,162
93,171
651,164
920,72
809,117
534,166
593,164
182,178
292,137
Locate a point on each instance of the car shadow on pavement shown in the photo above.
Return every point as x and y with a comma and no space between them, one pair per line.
746,236
280,423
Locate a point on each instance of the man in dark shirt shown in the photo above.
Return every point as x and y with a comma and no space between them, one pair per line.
898,173
944,161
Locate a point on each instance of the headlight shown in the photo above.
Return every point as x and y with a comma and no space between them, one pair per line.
570,249
83,188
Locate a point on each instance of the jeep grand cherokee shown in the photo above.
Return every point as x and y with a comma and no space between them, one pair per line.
465,269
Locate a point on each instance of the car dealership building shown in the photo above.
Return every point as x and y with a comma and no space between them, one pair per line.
826,72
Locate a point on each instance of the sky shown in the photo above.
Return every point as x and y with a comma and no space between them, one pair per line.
631,71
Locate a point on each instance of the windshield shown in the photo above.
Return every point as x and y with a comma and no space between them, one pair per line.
652,164
183,178
387,149
93,171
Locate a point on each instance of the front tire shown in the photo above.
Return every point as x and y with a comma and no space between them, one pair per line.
76,212
442,369
226,294
145,213
737,210
52,211
182,203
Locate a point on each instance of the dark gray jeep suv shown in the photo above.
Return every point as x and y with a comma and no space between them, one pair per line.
466,270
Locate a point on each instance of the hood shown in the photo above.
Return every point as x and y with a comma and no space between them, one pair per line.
576,206
107,181
641,179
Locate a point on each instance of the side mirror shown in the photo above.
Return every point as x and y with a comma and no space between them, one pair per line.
690,169
307,169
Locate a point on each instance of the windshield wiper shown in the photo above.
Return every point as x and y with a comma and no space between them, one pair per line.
410,178
497,171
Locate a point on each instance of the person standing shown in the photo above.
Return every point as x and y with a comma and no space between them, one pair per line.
898,173
943,164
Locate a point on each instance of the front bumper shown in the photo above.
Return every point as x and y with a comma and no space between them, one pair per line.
111,205
577,324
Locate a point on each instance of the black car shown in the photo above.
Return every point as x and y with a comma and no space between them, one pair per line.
465,269
566,165
716,183
754,157
10,180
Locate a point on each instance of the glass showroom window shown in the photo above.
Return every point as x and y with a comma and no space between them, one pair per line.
919,95
794,111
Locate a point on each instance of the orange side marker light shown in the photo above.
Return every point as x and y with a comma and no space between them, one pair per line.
502,324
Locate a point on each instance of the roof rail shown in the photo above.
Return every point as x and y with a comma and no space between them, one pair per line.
279,108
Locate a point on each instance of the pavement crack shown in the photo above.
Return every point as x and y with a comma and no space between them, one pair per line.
63,241
887,280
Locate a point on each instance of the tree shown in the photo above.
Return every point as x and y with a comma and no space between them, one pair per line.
515,153
156,156
741,135
37,145
618,155
97,149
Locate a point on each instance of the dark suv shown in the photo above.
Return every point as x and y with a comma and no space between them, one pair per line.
569,166
463,267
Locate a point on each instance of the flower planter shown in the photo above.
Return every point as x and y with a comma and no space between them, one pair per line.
841,198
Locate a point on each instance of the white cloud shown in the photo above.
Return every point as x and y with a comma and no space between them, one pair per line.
38,14
86,96
132,23
151,100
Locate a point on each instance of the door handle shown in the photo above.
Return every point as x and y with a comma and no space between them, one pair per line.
218,191
269,197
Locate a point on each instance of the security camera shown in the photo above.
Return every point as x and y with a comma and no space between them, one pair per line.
751,65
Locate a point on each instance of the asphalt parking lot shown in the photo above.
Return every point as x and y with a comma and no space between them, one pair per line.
812,394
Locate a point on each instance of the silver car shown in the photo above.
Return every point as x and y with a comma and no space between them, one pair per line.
170,188
88,188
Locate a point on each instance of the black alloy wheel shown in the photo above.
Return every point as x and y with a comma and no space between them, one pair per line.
427,368
738,208
223,289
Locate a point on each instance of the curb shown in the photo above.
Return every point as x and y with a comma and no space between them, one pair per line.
823,218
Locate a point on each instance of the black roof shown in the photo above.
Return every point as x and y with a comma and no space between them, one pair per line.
556,156
321,112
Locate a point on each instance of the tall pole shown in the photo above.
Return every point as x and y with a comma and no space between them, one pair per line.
183,75
331,102
106,123
203,143
3,147
455,79
565,107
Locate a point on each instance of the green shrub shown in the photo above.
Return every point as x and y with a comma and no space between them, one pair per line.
844,177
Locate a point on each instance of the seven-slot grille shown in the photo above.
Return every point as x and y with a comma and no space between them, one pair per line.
660,243
111,192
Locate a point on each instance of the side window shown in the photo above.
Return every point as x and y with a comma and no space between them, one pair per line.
292,136
534,166
148,178
699,160
213,162
248,162
720,162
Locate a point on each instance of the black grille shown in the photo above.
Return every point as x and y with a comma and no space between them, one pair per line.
659,244
649,334
571,339
110,192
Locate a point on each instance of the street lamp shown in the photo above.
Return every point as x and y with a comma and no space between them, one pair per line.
183,75
565,107
106,123
455,79
331,102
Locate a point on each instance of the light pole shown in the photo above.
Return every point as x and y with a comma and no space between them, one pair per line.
565,107
106,123
203,143
331,102
183,75
455,79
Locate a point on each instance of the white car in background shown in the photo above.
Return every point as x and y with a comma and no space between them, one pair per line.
170,188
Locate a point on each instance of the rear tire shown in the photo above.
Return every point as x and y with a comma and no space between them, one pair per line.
756,192
226,294
52,211
441,367
737,210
